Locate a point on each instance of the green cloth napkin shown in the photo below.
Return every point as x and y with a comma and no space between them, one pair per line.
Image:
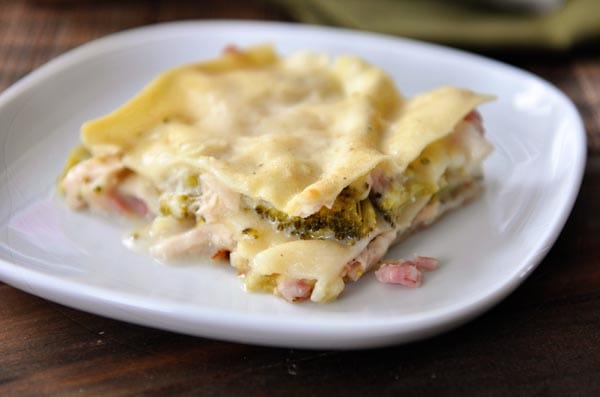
460,23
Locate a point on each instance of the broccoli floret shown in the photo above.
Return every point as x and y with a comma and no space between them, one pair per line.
398,195
349,219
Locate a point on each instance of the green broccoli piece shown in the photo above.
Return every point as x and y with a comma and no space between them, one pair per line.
349,219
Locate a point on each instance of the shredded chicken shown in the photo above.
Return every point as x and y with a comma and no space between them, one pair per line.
428,214
95,182
204,239
88,181
369,256
216,200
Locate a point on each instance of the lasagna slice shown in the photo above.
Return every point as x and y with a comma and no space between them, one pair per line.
299,171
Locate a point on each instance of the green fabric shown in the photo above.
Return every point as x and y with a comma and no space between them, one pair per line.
456,22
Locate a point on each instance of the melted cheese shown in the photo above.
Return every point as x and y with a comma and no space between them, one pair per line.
293,132
427,118
319,260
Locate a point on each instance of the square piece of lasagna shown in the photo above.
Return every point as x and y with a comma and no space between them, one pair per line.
300,171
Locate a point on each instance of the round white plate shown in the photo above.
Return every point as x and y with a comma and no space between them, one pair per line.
486,248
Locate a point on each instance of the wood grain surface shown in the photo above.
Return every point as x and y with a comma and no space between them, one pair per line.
543,340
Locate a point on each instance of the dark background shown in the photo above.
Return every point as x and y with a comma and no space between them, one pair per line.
543,340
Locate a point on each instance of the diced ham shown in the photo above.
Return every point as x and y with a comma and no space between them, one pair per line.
221,254
425,263
400,272
378,180
469,137
231,49
353,270
474,117
294,290
127,205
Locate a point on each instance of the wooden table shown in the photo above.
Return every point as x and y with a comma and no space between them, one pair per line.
543,339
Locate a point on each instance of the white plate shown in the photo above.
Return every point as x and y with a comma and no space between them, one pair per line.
486,249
